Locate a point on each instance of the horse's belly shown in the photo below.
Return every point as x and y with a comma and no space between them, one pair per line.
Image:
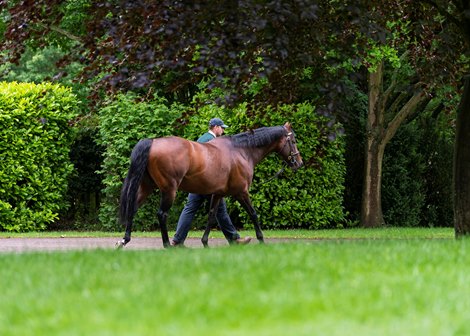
201,185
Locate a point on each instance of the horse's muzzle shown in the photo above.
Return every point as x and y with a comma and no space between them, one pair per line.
295,161
296,165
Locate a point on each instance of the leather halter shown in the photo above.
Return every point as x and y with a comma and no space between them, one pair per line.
292,158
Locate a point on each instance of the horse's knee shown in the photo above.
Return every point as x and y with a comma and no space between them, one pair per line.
162,215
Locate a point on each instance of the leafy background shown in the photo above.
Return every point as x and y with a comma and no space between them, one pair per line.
35,140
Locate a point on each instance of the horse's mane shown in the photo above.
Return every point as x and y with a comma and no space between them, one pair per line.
258,137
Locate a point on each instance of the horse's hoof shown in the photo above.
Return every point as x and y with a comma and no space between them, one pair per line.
205,242
120,244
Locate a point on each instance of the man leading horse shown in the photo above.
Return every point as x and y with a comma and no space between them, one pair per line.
171,163
195,201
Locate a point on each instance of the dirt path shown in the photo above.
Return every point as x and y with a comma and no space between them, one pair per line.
68,243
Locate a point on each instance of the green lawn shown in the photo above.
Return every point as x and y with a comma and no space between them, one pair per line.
387,283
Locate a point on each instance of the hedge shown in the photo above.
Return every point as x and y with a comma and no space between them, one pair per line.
123,122
35,139
310,198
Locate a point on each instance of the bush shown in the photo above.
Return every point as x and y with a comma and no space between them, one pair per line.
310,198
403,184
417,176
35,139
84,184
123,122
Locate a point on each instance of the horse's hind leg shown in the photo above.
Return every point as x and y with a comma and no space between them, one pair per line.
215,201
145,189
166,202
246,204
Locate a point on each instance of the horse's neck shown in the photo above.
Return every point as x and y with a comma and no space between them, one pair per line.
257,154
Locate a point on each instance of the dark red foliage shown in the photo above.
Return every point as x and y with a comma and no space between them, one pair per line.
168,44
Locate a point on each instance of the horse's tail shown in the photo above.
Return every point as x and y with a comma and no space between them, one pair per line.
128,201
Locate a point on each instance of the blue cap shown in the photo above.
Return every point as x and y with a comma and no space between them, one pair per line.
217,122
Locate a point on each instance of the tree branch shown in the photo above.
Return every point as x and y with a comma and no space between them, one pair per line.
393,83
401,116
62,32
444,12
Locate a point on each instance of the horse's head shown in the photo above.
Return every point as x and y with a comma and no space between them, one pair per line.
288,149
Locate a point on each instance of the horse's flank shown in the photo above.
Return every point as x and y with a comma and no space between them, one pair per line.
214,165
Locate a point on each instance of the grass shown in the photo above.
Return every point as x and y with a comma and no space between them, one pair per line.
394,282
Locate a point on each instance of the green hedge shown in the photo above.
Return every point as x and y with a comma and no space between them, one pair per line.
35,139
123,122
310,198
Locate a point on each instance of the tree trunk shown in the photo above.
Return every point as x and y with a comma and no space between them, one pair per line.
371,212
378,136
462,166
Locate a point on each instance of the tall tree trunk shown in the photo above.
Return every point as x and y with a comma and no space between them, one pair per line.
378,136
371,212
462,166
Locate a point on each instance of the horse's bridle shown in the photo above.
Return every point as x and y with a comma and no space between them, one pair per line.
292,158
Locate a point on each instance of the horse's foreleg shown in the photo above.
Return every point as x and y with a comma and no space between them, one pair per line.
166,202
246,204
215,201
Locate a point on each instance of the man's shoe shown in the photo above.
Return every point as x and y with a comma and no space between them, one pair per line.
176,244
243,241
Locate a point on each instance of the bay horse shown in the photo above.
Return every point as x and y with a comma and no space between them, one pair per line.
221,167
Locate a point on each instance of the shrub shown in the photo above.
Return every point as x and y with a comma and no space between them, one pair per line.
403,185
123,122
35,139
84,184
310,198
417,177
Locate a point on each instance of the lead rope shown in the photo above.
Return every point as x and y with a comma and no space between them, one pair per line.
276,175
285,163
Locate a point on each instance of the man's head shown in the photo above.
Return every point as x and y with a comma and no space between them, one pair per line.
217,126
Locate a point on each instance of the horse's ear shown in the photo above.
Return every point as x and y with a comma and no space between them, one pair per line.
287,126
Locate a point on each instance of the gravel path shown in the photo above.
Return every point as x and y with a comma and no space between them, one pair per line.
67,243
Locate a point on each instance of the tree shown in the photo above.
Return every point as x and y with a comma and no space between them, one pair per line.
440,35
387,111
169,45
449,23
